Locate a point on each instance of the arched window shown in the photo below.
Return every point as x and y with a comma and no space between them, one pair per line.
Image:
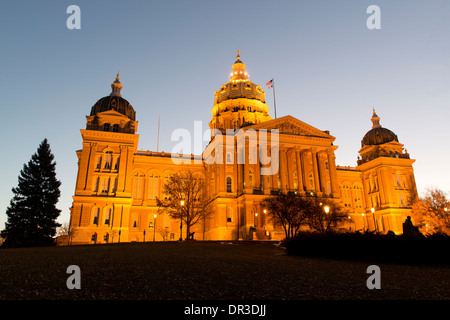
115,128
153,186
138,186
229,184
106,126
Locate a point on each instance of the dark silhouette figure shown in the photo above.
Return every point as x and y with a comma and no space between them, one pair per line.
409,229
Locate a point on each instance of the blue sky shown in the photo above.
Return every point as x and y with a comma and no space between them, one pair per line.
329,68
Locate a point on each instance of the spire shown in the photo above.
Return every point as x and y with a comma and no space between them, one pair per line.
116,86
239,72
238,56
375,120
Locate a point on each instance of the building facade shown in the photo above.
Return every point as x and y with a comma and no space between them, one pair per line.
117,184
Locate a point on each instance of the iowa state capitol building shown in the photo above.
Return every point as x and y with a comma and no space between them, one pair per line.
117,184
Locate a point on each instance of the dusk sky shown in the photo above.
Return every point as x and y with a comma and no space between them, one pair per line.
329,71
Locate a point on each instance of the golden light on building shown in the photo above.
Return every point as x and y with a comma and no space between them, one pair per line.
117,184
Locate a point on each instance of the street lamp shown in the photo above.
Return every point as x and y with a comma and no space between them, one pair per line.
374,221
327,209
181,222
256,221
154,227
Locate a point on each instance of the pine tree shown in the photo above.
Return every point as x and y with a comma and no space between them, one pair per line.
32,212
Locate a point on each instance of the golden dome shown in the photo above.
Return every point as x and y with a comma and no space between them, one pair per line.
239,85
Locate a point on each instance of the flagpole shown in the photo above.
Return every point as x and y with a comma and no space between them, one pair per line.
274,103
157,143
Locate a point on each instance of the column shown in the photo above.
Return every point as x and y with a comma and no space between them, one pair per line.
246,165
299,170
289,172
315,170
322,176
283,169
333,173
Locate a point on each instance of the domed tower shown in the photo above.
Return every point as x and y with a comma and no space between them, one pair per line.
388,178
103,187
380,142
112,113
239,102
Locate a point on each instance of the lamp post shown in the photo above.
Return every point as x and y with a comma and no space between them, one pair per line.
364,223
144,235
327,210
154,227
374,220
181,222
256,220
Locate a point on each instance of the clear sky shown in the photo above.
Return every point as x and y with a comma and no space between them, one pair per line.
329,69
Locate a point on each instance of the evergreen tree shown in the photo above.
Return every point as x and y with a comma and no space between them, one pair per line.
32,212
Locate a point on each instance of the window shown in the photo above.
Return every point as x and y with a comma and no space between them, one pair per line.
99,163
229,184
95,215
311,181
116,165
229,158
166,180
108,159
230,214
95,182
138,186
107,216
105,185
106,126
357,195
153,186
326,165
115,128
346,197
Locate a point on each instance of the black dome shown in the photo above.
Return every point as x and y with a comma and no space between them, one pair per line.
114,102
378,136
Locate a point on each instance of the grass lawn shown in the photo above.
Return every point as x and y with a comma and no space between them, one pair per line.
205,271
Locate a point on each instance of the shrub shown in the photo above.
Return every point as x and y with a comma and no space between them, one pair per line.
370,246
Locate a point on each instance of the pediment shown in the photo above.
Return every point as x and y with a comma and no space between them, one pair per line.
292,126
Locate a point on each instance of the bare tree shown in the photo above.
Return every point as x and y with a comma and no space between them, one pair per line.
325,214
288,210
186,199
164,232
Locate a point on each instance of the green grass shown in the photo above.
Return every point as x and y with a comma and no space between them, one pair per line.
205,271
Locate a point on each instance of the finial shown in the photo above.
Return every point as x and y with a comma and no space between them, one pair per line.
116,86
238,53
375,119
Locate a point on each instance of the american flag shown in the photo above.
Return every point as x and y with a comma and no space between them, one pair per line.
270,83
